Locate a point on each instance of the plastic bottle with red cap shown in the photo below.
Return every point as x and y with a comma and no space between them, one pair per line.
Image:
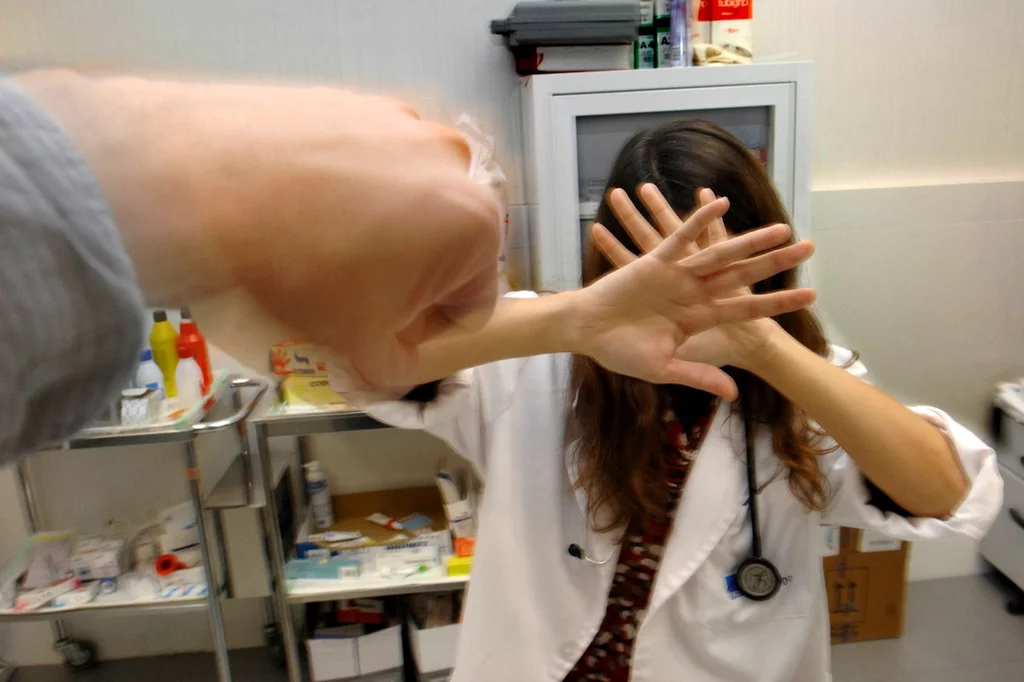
189,336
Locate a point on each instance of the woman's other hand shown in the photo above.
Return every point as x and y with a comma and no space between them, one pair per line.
651,318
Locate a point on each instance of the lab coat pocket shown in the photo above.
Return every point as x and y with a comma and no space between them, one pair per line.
720,607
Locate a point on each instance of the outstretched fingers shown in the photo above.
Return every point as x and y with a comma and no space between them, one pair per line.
716,230
645,236
617,254
714,258
680,244
665,217
752,270
753,306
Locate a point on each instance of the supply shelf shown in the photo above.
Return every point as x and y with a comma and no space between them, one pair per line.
275,420
435,580
182,429
117,603
280,420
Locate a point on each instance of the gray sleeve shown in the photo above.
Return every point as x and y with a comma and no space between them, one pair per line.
71,313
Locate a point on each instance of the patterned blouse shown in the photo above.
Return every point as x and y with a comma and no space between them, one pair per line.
608,658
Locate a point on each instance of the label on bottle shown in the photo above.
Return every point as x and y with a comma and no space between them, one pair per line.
665,60
322,515
320,501
662,9
646,12
644,56
156,387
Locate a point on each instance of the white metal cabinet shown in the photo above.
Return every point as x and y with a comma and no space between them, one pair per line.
1003,546
575,124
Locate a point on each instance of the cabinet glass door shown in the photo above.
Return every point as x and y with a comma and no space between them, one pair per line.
590,129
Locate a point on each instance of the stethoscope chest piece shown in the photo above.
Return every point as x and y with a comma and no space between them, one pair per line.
758,579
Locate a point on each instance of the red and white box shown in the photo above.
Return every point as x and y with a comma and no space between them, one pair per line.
298,358
701,32
732,26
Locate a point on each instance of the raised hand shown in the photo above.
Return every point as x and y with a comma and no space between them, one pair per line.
647,318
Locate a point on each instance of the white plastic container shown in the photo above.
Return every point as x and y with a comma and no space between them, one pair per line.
148,375
188,379
319,495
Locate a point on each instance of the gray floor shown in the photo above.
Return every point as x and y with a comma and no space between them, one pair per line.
956,630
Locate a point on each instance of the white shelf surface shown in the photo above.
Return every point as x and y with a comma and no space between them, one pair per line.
435,580
120,602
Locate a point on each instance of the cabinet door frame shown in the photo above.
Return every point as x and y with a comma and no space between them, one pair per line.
564,244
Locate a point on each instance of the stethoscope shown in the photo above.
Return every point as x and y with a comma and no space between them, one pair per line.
756,577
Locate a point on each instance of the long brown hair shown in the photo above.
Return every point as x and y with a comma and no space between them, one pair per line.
617,419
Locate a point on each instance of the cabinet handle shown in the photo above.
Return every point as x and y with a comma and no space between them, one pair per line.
1017,517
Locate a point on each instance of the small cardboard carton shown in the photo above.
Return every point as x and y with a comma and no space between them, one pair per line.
866,582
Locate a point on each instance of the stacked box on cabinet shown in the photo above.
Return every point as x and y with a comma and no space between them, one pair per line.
570,35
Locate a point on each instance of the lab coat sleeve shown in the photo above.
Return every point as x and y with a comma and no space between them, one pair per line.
461,411
852,502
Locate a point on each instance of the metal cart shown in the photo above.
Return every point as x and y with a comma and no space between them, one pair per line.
80,654
275,420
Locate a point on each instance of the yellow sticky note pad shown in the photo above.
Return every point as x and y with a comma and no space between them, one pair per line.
458,565
298,390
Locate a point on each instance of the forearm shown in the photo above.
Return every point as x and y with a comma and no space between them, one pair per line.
167,214
520,327
898,450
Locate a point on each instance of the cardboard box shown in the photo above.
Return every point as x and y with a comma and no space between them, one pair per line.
866,589
333,568
298,358
78,597
332,658
376,657
434,648
302,390
96,558
701,26
351,512
173,543
34,599
361,611
732,26
49,561
179,518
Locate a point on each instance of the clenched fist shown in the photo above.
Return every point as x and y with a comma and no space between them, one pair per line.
339,217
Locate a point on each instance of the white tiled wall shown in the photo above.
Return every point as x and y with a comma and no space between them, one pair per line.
925,282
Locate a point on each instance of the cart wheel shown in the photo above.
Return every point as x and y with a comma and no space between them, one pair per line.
78,654
275,646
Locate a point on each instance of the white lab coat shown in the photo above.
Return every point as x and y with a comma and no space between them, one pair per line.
532,609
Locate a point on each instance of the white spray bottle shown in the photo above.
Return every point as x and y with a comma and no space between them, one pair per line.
319,495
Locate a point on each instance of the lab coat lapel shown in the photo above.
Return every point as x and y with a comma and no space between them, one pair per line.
713,492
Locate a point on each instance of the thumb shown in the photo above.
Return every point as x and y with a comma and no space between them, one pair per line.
701,376
388,366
